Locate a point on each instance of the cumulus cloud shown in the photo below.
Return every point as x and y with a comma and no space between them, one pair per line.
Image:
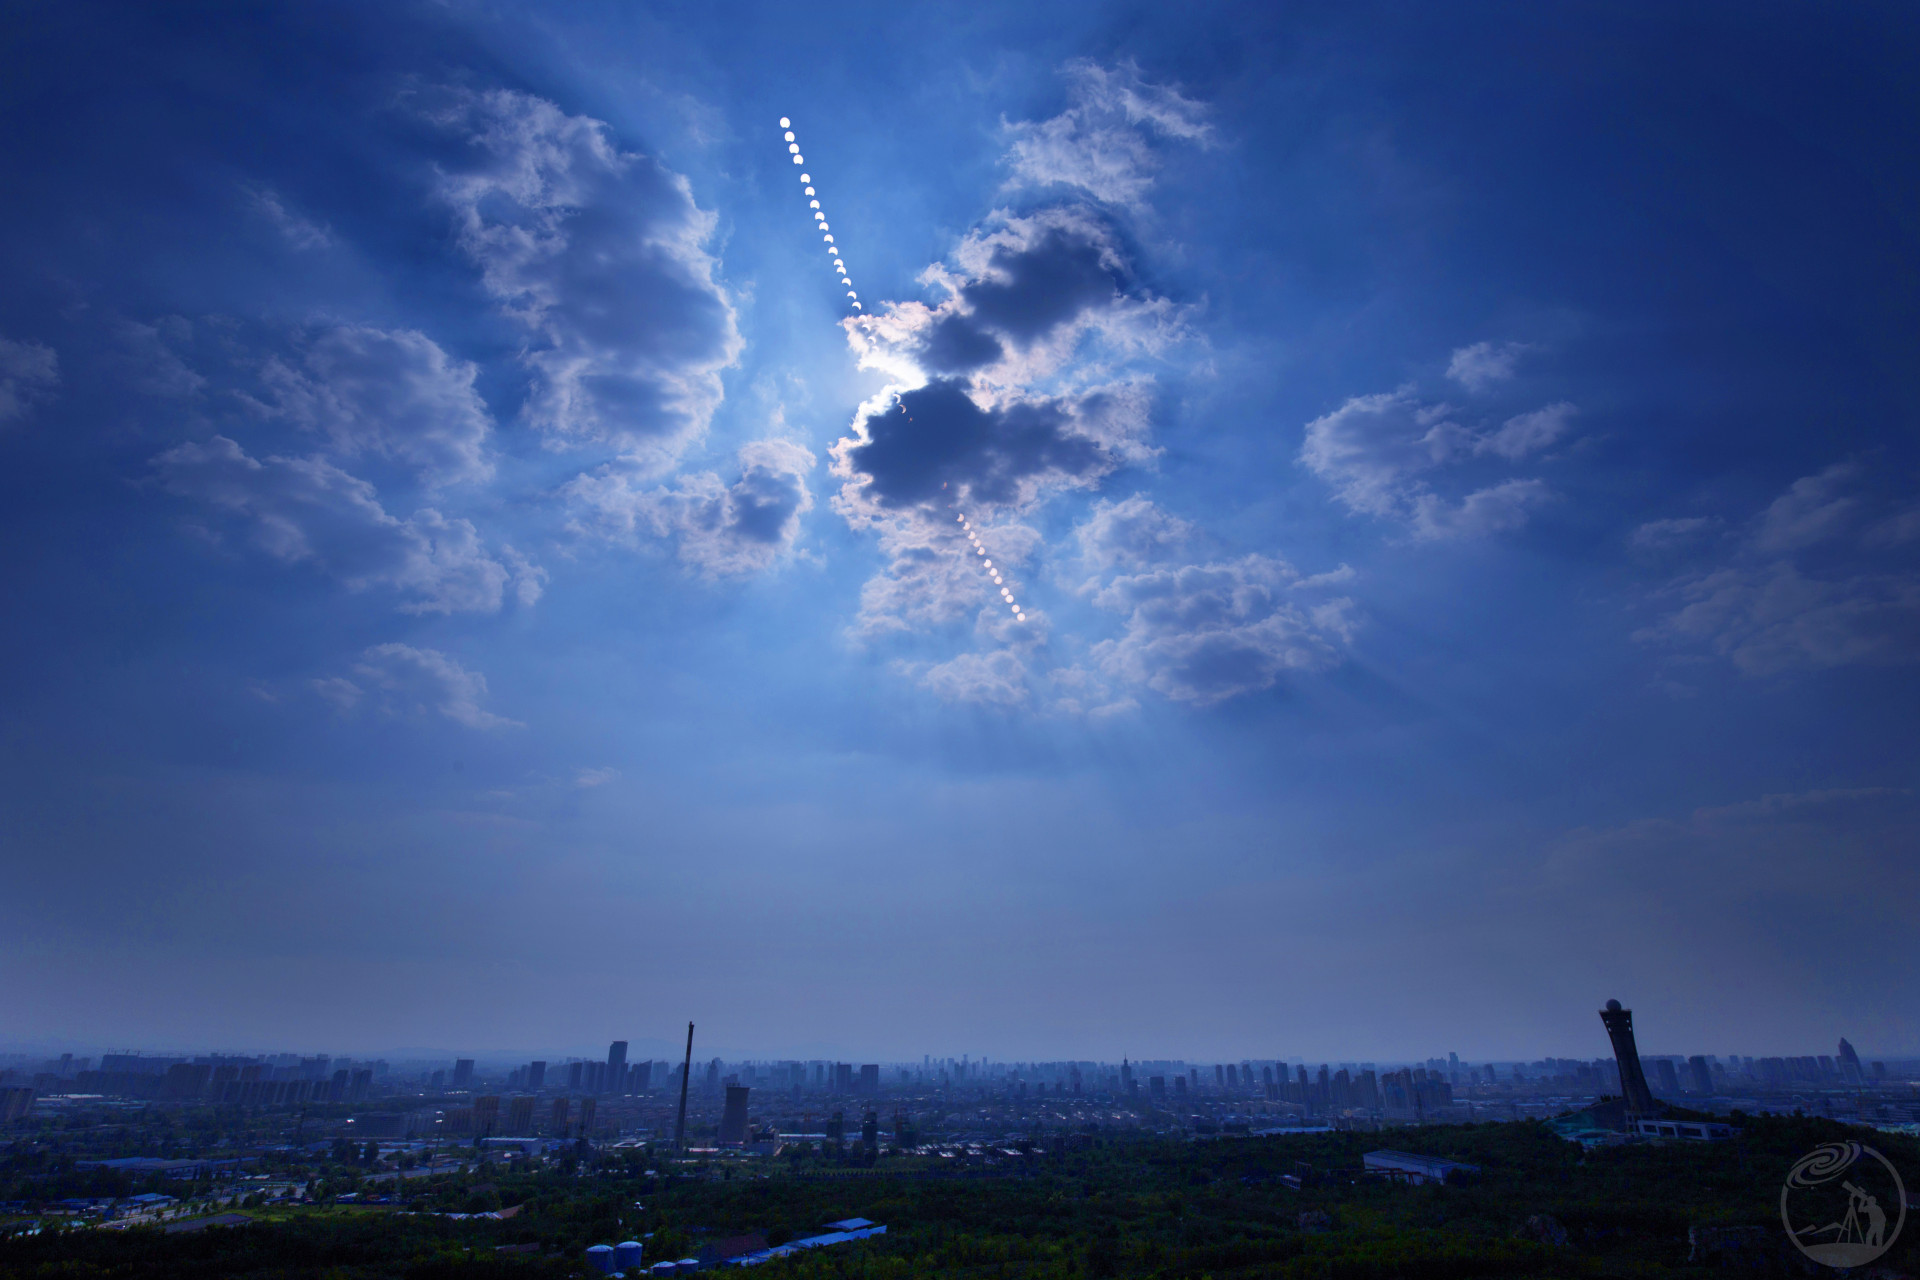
1023,384
301,233
1380,454
1032,376
1484,363
1130,533
998,678
719,529
1802,586
602,255
938,444
1202,632
932,579
410,682
1103,143
393,393
308,511
1024,295
29,371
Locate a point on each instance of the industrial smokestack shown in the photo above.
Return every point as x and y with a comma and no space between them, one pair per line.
686,1072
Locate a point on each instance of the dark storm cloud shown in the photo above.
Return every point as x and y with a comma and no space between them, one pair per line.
937,440
1020,290
954,344
1034,289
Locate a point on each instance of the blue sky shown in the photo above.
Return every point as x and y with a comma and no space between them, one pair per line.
475,582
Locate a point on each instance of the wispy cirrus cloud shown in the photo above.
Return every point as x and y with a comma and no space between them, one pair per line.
29,372
306,510
1104,142
405,681
1826,575
1383,455
390,393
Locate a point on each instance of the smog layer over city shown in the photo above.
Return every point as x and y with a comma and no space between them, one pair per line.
978,640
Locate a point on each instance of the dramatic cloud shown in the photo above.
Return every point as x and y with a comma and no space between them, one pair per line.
410,682
1024,295
394,394
1484,363
28,374
719,528
308,511
938,446
1203,633
1381,452
1024,383
602,254
1803,587
1102,143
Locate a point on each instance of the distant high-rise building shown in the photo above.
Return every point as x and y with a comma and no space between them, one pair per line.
870,1132
616,1068
1233,1076
576,1076
587,1108
536,1075
437,1081
1850,1063
1701,1077
1157,1087
520,1115
843,1077
1669,1079
1219,1076
1179,1086
713,1078
640,1077
1633,1080
361,1087
486,1114
462,1073
836,1130
733,1121
870,1079
557,1126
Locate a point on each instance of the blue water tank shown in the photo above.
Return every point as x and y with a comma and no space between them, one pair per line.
626,1255
600,1258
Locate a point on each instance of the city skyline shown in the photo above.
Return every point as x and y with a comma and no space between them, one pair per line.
1348,530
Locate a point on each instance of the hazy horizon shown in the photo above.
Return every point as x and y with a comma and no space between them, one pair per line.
1344,531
